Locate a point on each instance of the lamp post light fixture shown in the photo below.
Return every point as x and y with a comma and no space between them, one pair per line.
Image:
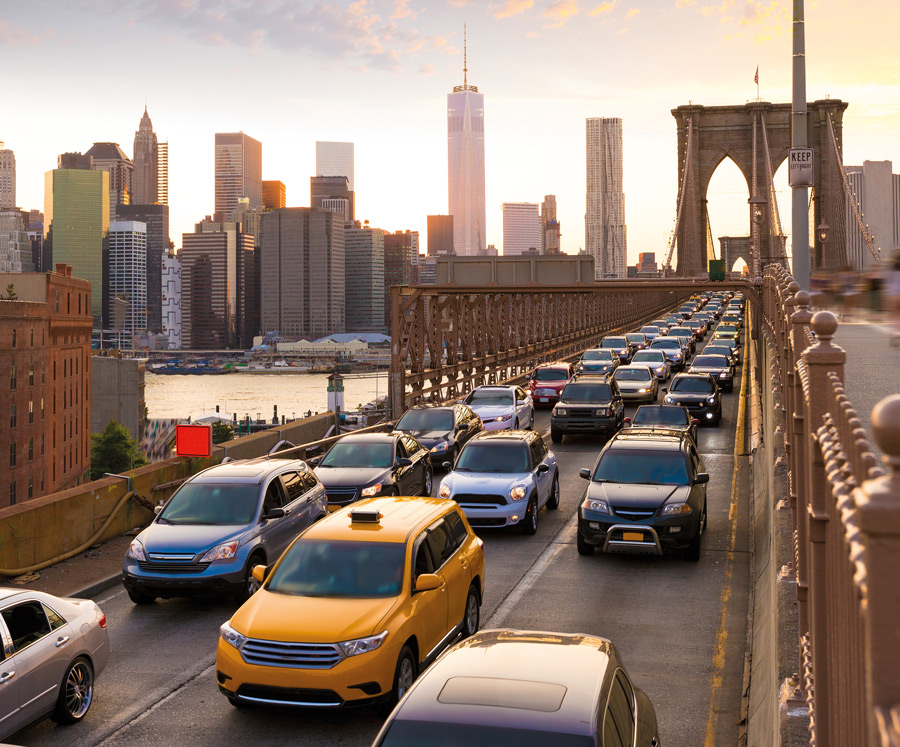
822,231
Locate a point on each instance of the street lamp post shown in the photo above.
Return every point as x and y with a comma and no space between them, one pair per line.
800,195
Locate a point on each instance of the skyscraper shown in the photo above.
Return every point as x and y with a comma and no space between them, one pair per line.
335,159
302,272
156,218
322,188
400,248
549,226
171,299
146,163
15,244
274,195
604,220
111,158
440,235
7,177
238,171
365,284
521,228
162,173
76,223
465,162
128,273
877,192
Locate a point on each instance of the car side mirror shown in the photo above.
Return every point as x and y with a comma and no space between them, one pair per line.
543,469
447,466
695,421
274,513
627,420
259,573
665,390
404,462
701,478
520,401
584,473
158,509
315,461
427,582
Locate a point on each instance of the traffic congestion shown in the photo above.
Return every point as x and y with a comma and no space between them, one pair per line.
360,577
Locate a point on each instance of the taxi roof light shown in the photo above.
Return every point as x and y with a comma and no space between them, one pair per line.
365,516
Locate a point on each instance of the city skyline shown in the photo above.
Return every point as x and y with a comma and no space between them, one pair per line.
536,62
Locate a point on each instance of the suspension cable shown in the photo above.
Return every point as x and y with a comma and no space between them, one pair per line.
682,191
773,196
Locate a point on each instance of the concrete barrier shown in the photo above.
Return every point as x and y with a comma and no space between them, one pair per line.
44,528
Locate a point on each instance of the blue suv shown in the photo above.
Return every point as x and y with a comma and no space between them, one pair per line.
218,525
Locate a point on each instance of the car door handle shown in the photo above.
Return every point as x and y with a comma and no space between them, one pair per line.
62,641
6,677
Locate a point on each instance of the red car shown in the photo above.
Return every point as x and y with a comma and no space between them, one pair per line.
547,382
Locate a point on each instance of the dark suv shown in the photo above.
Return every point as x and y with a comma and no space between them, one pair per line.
589,404
699,393
647,495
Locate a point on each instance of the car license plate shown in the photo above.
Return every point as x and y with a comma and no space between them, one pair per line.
543,399
633,536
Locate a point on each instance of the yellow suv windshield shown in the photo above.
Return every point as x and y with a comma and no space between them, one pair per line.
327,568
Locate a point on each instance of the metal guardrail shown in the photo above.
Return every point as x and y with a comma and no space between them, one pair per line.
846,525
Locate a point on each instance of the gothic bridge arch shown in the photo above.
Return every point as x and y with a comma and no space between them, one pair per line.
715,133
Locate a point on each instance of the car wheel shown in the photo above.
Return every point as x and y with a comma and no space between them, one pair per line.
427,483
556,436
693,549
517,425
76,693
473,614
138,598
250,585
530,520
404,675
553,500
584,547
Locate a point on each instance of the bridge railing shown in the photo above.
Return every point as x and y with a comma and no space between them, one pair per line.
846,524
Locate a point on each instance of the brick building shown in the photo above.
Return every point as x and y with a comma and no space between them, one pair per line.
45,354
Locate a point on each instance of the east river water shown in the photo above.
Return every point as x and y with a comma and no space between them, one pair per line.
180,396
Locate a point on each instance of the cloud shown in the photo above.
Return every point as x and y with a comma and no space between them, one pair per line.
426,69
560,11
513,8
771,18
632,12
603,8
18,36
401,9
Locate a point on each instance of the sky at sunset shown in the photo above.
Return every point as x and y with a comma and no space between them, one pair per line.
376,72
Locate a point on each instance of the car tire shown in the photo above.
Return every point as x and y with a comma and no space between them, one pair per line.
584,547
76,692
250,585
427,483
717,418
553,500
517,425
530,520
472,615
404,676
693,549
556,436
138,598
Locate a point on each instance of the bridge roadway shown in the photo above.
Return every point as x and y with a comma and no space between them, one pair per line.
680,627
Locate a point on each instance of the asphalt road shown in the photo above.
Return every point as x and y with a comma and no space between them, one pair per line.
680,627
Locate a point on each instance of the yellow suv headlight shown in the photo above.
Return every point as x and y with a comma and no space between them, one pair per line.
362,645
231,636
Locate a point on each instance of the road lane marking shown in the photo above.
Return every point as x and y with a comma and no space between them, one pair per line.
718,659
565,536
110,597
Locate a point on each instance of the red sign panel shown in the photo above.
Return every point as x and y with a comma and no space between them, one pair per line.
193,440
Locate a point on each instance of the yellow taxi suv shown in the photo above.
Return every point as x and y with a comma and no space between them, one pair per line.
356,607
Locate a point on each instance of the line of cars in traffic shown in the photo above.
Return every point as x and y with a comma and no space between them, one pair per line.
349,588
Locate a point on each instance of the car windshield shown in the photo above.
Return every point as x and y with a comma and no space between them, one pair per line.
614,342
494,456
582,393
717,350
726,328
550,374
660,415
407,733
636,337
632,374
596,355
680,332
426,420
328,568
711,361
650,356
359,454
730,344
692,385
664,343
654,467
212,503
488,397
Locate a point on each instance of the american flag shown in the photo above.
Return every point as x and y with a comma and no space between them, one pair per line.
756,77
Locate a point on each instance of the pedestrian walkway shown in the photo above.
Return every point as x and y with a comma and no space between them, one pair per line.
872,370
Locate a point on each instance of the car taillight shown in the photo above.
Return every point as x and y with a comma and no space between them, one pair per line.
479,541
103,621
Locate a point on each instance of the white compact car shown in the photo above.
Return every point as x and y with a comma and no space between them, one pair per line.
502,407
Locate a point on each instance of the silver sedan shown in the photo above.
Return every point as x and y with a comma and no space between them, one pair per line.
51,651
637,383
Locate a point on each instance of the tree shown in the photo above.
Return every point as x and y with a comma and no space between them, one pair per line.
221,432
11,294
115,451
